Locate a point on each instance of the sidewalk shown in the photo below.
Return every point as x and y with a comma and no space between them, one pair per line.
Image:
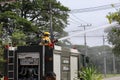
113,78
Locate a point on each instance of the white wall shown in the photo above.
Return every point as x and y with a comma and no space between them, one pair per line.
73,67
57,66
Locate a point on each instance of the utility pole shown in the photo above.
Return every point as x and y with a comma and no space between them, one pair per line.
104,52
85,42
114,67
51,24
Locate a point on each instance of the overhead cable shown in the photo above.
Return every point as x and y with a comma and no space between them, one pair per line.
79,18
91,9
74,20
90,30
71,21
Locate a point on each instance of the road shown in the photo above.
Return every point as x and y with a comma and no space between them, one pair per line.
113,78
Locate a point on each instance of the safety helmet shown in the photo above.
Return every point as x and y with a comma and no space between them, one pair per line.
46,33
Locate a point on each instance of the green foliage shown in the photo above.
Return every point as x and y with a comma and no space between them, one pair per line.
27,25
20,19
114,34
18,37
1,48
1,54
114,39
113,17
0,31
116,49
33,16
89,73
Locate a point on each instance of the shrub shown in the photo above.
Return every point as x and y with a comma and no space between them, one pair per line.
89,73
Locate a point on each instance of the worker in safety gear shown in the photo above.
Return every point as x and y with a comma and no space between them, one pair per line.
45,39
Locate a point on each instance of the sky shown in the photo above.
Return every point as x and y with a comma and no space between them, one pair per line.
96,18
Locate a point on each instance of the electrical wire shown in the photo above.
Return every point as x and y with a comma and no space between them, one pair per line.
79,18
91,9
75,30
90,30
71,21
76,21
71,18
92,36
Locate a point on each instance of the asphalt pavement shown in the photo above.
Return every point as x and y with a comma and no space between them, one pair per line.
113,78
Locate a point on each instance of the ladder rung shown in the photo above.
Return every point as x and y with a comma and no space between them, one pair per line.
10,56
10,78
10,63
11,71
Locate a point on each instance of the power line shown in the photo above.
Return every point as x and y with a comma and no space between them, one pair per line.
104,7
91,9
74,30
79,18
91,36
71,21
82,32
74,20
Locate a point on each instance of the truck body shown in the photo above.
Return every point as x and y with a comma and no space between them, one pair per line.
33,62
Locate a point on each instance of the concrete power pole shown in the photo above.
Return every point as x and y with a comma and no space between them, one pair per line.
114,64
104,52
85,41
51,24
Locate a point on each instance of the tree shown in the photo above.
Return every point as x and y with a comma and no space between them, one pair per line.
38,12
114,33
96,56
21,21
31,17
11,22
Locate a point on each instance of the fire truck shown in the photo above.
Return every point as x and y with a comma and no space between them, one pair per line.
34,61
